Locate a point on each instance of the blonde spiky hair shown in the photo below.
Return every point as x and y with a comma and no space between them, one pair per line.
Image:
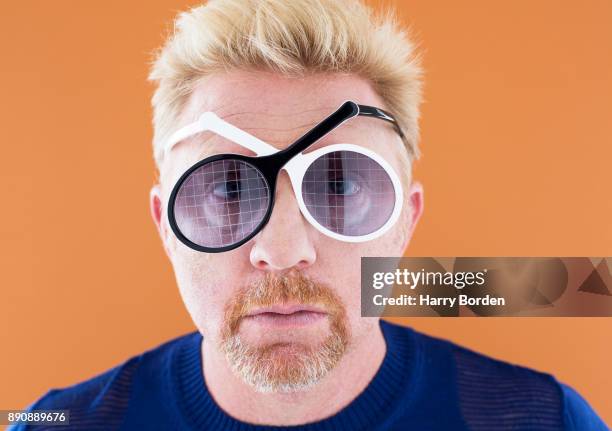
293,38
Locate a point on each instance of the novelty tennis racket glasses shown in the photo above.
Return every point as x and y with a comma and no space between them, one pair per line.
346,191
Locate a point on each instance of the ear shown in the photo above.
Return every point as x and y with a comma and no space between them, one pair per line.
415,201
157,213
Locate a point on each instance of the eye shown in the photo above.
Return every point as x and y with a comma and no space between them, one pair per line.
227,190
343,186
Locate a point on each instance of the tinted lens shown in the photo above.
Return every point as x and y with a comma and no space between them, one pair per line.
221,203
348,193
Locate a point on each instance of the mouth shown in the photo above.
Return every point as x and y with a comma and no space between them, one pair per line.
286,315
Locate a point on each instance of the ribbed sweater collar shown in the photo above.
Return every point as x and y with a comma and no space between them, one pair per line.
395,379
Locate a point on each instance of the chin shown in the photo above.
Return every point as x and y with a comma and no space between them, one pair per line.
285,366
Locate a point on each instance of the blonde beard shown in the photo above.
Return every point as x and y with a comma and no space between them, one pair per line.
284,367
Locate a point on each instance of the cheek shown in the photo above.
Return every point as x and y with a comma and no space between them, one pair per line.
206,283
338,265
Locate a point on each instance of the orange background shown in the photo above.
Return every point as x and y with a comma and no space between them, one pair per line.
517,143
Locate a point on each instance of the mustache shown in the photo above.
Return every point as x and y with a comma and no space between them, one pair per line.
274,289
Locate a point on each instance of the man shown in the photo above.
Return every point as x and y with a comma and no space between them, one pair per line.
284,137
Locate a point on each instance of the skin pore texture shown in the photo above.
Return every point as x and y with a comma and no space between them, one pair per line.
218,288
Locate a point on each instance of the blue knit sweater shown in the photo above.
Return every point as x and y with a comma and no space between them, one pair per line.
423,384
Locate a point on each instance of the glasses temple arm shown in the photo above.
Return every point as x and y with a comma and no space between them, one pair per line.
371,111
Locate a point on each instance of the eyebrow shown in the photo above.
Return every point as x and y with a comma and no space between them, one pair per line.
214,141
212,148
209,121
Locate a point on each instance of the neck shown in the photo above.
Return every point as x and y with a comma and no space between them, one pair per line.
352,374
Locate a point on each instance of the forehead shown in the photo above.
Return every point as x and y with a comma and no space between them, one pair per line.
279,109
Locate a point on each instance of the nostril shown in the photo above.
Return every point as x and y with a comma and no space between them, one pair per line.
303,264
264,265
261,264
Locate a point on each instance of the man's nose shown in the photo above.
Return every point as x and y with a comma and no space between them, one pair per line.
284,242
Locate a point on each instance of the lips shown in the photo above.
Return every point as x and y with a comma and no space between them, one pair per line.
286,315
287,309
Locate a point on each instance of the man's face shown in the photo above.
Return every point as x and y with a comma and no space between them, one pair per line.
286,303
